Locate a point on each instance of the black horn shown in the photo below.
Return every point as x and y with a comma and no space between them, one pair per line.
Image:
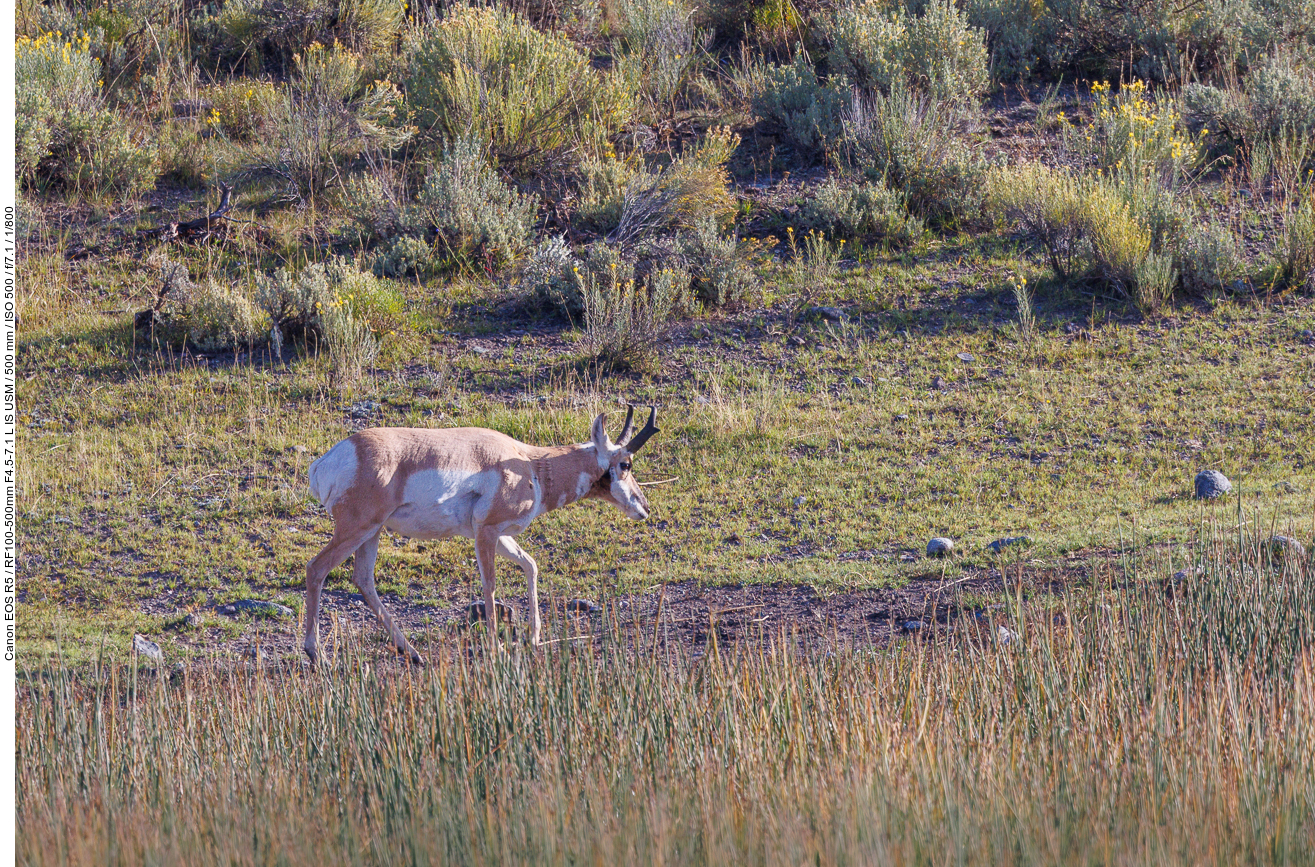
648,430
628,426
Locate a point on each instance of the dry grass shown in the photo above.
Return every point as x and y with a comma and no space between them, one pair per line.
1120,724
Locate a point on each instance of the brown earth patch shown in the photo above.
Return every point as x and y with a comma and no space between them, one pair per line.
685,616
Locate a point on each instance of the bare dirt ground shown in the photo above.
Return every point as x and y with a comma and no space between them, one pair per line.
685,615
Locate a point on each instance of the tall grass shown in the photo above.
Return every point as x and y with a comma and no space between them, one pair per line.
1121,724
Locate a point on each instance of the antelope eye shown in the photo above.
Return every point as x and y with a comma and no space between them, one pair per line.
625,468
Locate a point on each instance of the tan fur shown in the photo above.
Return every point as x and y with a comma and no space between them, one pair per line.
508,484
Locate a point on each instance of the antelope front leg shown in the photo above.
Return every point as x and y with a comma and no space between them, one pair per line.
508,548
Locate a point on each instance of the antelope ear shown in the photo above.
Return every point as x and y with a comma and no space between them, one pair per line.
599,435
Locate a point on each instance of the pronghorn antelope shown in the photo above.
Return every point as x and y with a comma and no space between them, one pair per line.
472,482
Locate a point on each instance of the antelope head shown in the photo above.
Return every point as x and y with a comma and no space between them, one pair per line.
617,484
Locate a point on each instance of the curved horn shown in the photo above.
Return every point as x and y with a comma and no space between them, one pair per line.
648,430
628,426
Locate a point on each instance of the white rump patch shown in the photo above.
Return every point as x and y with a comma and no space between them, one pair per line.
334,474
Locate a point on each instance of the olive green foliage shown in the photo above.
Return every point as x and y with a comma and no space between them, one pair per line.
659,47
65,134
220,318
1090,231
549,276
937,52
267,35
721,266
693,188
626,309
329,115
464,217
1207,258
1297,246
532,96
805,109
860,210
602,189
308,304
919,147
1014,30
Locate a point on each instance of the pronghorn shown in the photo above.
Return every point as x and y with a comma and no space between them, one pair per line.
472,482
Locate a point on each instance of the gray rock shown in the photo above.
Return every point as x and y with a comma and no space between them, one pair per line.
363,408
940,547
1000,544
913,626
966,356
143,646
582,606
1285,549
255,606
475,611
828,314
1005,636
1211,484
191,621
799,501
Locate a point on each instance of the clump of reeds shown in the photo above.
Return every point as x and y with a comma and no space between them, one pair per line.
1140,719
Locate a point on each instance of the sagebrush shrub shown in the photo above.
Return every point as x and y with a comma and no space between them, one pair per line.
220,318
919,147
1296,252
624,319
1207,258
549,276
1089,230
327,303
936,52
328,117
64,134
532,96
659,46
480,223
243,109
804,108
260,33
601,191
1013,30
720,266
859,210
692,189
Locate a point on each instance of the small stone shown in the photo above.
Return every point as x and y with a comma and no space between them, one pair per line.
1285,549
902,417
475,611
799,501
939,383
363,408
1005,636
940,547
1211,484
581,606
143,646
1307,335
256,607
966,356
860,381
913,626
191,621
1000,544
829,314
